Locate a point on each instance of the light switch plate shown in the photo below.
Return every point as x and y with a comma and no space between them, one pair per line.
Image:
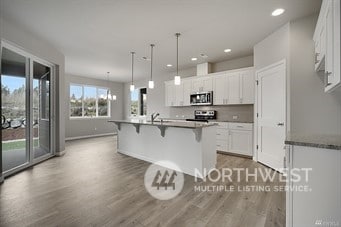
234,117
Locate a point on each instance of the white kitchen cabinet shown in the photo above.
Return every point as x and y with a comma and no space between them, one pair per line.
169,93
327,44
229,88
247,87
187,84
322,202
233,88
222,137
179,94
202,84
240,139
235,138
220,92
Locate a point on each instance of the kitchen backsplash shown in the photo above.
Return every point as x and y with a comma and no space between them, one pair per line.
244,113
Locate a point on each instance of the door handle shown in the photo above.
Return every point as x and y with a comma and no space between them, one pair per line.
280,124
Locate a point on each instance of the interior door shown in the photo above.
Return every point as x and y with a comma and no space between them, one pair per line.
271,109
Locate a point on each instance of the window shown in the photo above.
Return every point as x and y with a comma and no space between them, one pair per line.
88,101
138,102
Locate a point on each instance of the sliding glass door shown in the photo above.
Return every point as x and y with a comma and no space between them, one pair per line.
14,110
26,100
41,110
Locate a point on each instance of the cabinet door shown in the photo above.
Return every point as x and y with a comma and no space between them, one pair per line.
220,90
179,94
233,81
170,94
186,92
240,142
197,85
247,87
207,83
329,44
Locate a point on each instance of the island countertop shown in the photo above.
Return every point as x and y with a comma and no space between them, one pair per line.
318,141
166,123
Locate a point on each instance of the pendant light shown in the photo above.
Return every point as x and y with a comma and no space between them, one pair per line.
132,86
151,82
177,78
110,97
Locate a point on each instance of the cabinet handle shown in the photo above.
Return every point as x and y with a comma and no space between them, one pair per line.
238,126
280,124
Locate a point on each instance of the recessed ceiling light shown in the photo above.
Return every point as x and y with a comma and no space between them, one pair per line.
227,50
277,12
169,65
203,56
194,59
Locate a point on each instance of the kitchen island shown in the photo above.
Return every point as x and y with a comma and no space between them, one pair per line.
189,145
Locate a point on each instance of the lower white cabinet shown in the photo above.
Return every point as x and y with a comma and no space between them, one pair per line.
319,204
234,138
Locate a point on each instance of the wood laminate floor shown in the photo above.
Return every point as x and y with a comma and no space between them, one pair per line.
92,185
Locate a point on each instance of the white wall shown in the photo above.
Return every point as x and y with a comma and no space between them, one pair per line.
312,110
156,96
75,128
38,47
309,109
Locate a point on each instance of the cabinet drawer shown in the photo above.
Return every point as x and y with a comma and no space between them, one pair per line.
222,145
222,134
241,126
222,125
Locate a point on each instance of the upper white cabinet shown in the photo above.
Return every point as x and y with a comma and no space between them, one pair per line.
327,44
229,88
234,88
220,93
202,84
170,93
247,87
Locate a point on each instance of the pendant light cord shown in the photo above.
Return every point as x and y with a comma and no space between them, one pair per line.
177,53
132,67
151,61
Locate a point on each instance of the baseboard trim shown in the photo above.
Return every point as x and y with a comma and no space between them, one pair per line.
90,136
60,154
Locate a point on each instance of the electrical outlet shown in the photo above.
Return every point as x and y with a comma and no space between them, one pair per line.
235,117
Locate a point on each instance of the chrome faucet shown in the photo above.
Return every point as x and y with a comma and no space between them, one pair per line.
153,116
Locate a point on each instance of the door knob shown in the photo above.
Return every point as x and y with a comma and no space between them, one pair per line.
280,124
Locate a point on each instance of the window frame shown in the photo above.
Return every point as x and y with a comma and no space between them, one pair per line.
82,98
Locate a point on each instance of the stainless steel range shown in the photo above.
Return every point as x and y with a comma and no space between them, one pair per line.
204,115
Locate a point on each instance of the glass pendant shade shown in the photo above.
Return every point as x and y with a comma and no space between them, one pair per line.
177,80
114,97
151,84
109,96
132,87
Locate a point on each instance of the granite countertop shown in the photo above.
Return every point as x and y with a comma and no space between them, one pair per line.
318,141
177,124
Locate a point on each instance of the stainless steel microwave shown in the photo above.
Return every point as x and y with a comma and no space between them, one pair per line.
202,98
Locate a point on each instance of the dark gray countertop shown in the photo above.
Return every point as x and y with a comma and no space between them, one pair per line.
318,141
177,124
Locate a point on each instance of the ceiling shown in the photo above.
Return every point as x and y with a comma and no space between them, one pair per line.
98,36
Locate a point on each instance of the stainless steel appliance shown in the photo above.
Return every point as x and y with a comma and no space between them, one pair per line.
202,98
204,115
